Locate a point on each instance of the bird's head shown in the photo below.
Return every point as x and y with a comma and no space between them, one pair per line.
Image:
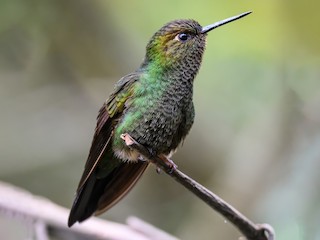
176,41
179,41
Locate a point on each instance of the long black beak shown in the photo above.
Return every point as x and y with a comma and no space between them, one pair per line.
222,22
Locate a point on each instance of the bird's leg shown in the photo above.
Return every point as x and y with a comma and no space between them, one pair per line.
164,159
161,159
152,155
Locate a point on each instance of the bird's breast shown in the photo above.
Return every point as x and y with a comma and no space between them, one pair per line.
154,118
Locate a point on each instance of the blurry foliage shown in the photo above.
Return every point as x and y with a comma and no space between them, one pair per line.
256,139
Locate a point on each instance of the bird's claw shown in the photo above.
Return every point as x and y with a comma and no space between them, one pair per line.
172,166
169,163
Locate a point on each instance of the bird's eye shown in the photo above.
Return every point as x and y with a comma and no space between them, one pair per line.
182,37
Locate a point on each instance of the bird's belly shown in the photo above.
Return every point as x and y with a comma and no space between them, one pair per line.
156,129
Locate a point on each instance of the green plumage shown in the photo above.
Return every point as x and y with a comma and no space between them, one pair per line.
153,105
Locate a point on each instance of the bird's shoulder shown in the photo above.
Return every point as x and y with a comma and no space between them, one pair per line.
124,89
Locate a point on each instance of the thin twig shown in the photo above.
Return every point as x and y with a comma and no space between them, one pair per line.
249,229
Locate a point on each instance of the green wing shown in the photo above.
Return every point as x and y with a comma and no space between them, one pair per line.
107,117
97,193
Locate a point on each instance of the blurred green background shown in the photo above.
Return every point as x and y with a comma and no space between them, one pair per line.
256,137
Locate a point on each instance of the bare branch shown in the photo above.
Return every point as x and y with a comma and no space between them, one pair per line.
148,230
44,214
250,230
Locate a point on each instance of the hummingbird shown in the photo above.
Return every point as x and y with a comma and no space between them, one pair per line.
153,105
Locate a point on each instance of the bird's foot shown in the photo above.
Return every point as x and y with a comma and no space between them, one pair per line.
169,167
169,163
